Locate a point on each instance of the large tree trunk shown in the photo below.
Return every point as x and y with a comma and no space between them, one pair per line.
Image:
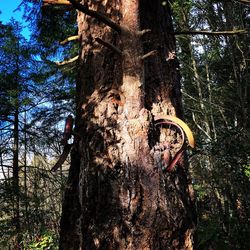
117,195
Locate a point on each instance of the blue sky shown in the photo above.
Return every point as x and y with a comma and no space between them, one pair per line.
7,8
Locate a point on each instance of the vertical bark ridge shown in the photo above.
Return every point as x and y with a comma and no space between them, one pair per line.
132,82
162,81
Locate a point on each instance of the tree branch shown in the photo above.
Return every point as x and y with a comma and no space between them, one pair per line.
210,33
60,2
246,2
71,38
67,61
143,32
151,53
199,127
96,15
108,45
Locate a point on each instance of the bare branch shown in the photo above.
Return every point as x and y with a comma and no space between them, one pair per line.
59,2
199,127
212,33
142,32
67,61
245,2
96,15
151,53
71,38
108,45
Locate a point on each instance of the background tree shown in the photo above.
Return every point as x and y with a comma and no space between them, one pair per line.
216,82
32,107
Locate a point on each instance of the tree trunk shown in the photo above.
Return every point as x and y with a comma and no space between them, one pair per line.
26,201
16,189
117,196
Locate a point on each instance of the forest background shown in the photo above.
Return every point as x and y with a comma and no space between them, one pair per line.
37,88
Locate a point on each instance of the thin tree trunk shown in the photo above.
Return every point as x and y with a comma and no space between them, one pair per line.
237,51
16,189
25,173
198,81
117,196
210,104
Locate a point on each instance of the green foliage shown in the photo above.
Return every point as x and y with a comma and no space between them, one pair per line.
41,95
181,11
209,232
216,81
247,170
45,241
200,190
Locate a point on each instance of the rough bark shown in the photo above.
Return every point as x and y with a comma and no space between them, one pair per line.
117,195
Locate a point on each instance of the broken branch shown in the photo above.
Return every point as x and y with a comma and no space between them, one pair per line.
245,2
151,53
67,61
108,45
71,38
96,15
212,33
142,32
59,2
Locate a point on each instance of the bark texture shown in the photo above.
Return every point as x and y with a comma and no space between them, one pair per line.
117,195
